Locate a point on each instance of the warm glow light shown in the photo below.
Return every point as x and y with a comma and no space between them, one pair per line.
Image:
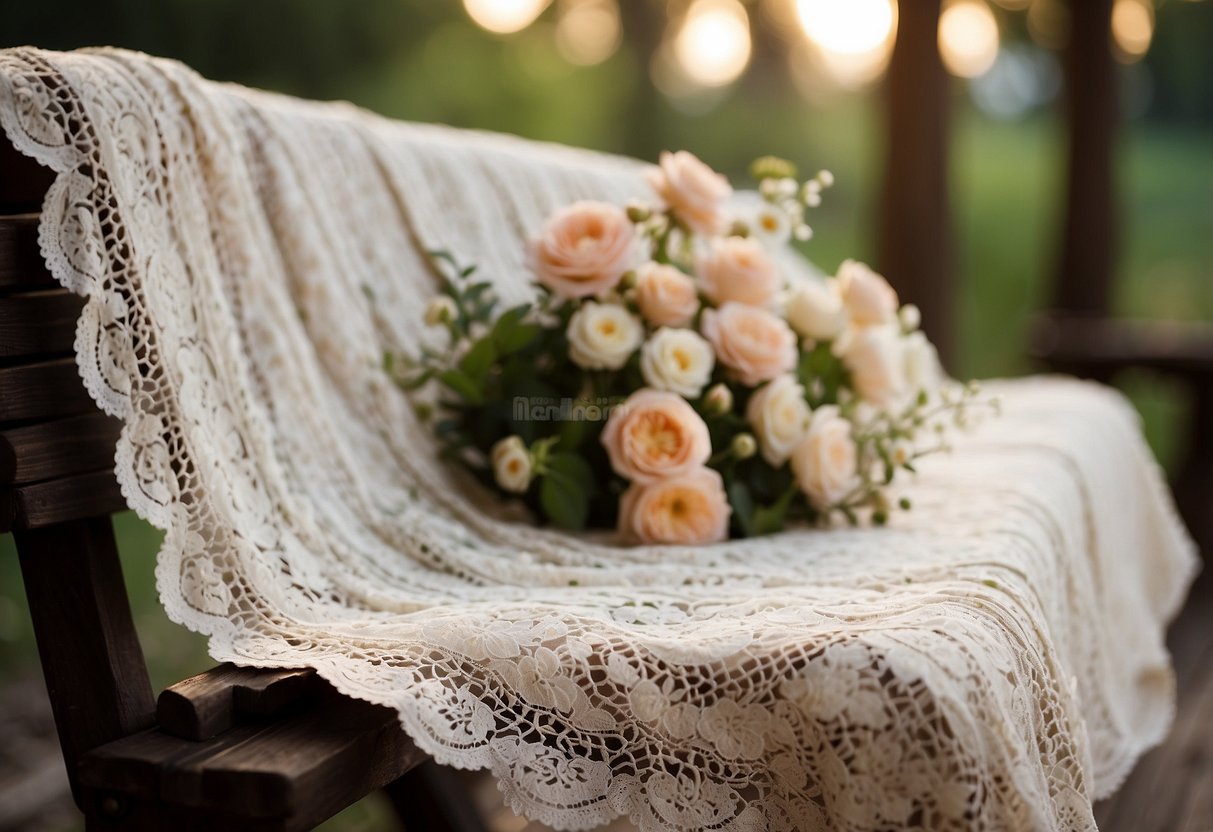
505,16
713,44
849,41
588,31
1049,23
968,38
1132,28
847,27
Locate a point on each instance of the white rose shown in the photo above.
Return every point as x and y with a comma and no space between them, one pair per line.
602,336
780,416
440,310
678,360
867,296
512,466
876,358
825,462
921,360
815,310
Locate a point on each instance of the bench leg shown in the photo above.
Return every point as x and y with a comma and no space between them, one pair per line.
430,798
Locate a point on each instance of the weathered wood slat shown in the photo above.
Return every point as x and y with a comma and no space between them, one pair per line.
1081,344
39,323
210,703
432,797
42,390
50,450
35,506
23,182
21,265
91,658
304,767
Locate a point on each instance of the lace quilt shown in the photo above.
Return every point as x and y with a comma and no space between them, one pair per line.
993,660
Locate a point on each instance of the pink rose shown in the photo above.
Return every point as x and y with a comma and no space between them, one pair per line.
583,250
867,296
665,295
737,269
825,463
693,191
877,361
687,509
654,435
752,342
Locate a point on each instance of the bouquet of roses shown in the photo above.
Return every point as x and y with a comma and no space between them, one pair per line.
672,381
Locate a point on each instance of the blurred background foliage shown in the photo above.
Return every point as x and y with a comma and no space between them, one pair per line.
728,80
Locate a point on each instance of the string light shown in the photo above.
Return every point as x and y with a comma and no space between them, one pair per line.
851,41
505,16
588,31
1132,28
968,38
712,45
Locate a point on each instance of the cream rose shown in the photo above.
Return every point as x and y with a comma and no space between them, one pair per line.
921,361
868,297
825,462
666,296
876,358
689,508
655,434
815,310
752,342
779,416
692,190
678,360
737,269
584,249
512,465
602,336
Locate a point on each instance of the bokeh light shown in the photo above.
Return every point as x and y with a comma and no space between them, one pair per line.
1049,23
505,16
588,31
968,38
1132,28
712,45
849,41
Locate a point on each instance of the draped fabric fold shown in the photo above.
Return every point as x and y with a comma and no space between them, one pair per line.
992,660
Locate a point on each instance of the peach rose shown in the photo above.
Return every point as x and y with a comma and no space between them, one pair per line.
737,269
666,296
867,296
692,190
825,462
877,361
655,434
583,250
752,342
687,509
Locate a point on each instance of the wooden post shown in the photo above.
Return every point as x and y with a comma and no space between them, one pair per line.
915,239
1085,269
91,658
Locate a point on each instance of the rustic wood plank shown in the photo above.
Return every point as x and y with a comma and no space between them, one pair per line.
21,264
1080,344
50,450
432,797
78,497
91,658
304,767
210,703
42,390
23,182
39,323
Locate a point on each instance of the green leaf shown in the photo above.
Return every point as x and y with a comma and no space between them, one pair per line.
479,360
770,519
463,385
743,507
575,469
563,502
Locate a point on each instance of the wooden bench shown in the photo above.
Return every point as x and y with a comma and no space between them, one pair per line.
230,749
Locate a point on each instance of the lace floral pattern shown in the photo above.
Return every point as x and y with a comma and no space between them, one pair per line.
993,661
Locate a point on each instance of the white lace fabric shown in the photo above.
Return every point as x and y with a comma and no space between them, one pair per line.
994,660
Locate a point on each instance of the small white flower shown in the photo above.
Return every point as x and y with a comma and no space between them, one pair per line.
602,336
677,360
825,178
512,465
441,310
815,310
901,451
910,317
744,446
780,416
